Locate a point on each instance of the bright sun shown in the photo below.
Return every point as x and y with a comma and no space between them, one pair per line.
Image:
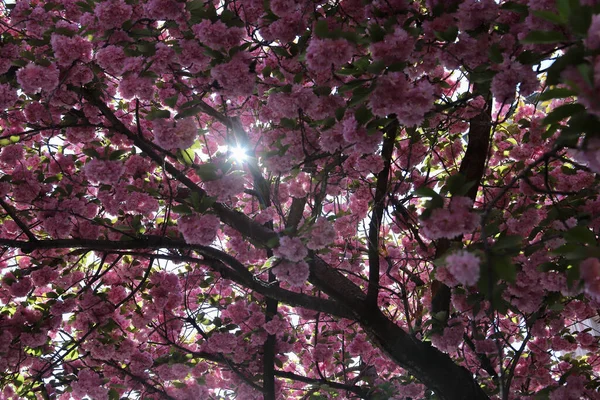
238,153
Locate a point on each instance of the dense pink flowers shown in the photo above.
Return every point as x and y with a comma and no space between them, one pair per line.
104,171
321,235
464,266
175,134
322,54
112,13
89,383
34,78
199,229
291,248
234,76
294,274
164,9
504,84
70,49
112,59
217,35
458,219
8,96
410,102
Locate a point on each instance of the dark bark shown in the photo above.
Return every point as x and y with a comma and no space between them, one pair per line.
381,192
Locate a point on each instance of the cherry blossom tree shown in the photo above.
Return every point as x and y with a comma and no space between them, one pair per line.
299,199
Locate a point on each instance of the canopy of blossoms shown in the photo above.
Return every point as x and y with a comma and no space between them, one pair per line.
299,199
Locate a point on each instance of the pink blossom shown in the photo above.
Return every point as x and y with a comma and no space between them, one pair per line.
294,274
474,13
226,187
504,84
464,266
235,77
458,219
192,56
11,155
322,54
199,229
34,78
394,47
104,171
112,13
321,235
222,343
275,326
409,101
217,35
175,134
451,338
112,59
133,86
89,383
21,287
70,49
141,203
81,134
590,274
58,226
8,96
291,248
164,9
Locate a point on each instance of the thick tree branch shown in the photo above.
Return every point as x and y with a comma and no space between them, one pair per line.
156,243
472,167
377,213
363,393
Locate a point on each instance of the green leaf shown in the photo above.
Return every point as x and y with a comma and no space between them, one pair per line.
172,101
156,114
580,234
280,51
207,171
186,157
563,8
188,112
182,209
504,268
550,16
360,95
117,154
449,35
544,37
270,263
496,54
562,112
558,93
508,242
457,185
516,7
363,115
376,67
321,29
574,56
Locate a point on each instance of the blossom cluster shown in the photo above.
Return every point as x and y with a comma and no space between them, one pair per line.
458,219
199,229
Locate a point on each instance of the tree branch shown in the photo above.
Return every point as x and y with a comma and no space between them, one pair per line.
377,213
